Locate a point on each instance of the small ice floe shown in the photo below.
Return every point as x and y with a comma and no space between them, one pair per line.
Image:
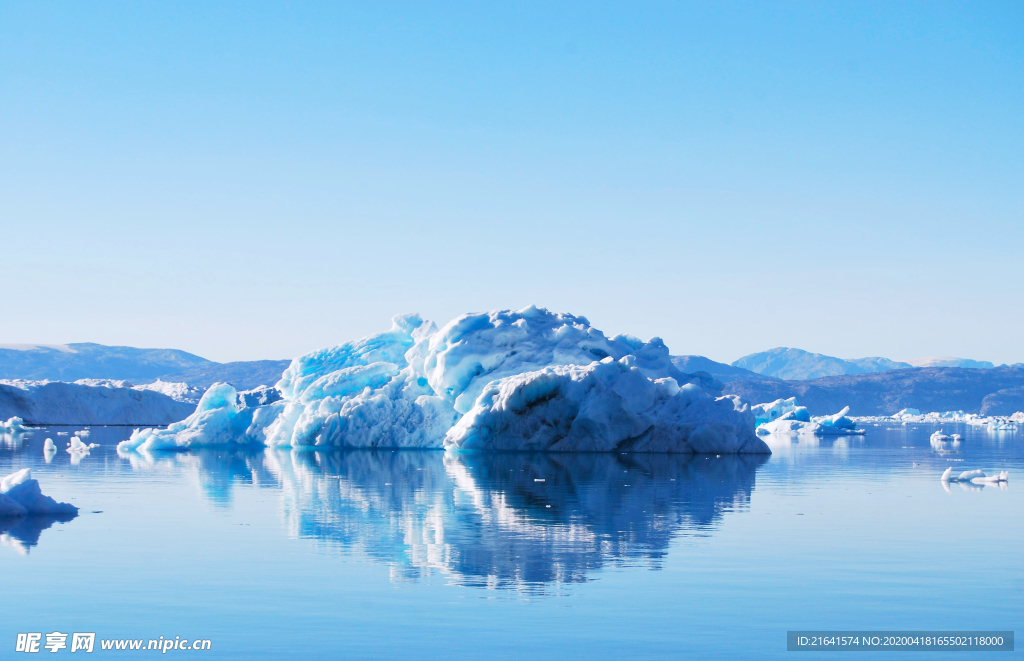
1001,424
77,445
78,449
942,441
20,495
82,433
975,476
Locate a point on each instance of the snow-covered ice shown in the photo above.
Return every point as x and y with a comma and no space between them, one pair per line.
470,384
20,495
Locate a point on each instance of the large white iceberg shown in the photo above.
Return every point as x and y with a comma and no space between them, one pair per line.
20,495
526,379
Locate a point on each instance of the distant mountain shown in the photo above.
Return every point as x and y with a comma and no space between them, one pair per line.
996,391
721,371
946,361
70,362
243,375
797,364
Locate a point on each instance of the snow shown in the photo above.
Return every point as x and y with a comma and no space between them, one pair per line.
20,495
949,361
411,385
35,347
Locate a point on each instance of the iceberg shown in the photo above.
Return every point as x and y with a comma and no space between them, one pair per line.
774,410
20,495
509,380
799,421
14,425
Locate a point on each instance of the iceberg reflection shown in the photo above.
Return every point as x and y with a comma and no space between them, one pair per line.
516,521
22,533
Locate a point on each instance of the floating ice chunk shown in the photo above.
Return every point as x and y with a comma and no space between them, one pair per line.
49,450
14,425
797,421
78,446
771,411
20,495
218,420
605,406
975,476
943,441
1002,476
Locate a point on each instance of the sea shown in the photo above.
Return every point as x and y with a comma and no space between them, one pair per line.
399,554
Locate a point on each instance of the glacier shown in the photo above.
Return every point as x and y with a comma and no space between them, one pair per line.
89,402
525,379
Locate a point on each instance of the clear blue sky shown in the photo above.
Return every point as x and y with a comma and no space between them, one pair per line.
256,180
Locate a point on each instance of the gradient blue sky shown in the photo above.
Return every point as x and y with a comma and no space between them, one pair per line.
256,180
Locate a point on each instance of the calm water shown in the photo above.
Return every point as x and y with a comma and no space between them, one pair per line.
413,554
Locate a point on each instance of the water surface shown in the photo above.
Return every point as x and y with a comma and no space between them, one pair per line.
406,554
